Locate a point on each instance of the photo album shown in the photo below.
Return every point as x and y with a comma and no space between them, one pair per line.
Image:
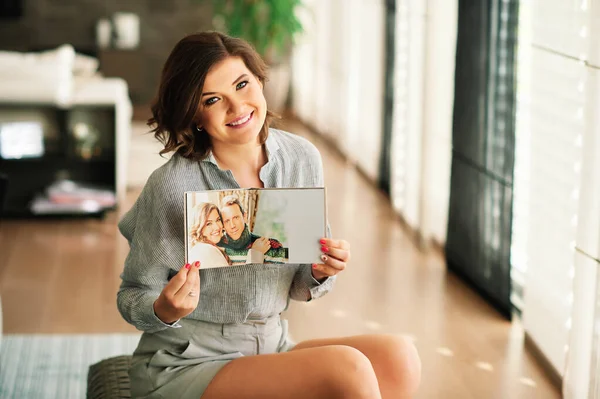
235,227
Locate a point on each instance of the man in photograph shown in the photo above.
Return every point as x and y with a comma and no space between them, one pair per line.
238,239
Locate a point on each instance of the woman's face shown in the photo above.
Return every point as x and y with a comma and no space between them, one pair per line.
232,107
213,229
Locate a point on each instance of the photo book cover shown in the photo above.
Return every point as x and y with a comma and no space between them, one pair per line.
235,227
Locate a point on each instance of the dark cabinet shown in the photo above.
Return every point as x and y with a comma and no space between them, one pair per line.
58,161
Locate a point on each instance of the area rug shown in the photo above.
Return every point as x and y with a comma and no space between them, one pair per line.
55,366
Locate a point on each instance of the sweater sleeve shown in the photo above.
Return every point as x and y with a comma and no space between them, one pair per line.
156,252
305,288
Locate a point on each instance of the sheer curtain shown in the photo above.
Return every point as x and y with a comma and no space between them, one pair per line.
407,124
338,76
522,171
422,116
479,220
338,85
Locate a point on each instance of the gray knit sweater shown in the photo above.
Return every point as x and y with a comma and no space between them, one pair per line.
155,231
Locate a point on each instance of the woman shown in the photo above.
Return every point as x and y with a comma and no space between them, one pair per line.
216,333
207,231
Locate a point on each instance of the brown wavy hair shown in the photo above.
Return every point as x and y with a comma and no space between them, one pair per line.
201,213
175,109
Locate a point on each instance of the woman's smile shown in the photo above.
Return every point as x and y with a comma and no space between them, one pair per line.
241,121
215,232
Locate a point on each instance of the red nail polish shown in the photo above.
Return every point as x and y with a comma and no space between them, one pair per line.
324,249
197,264
187,265
323,241
314,266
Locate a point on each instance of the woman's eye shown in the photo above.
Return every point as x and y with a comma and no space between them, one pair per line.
241,85
211,101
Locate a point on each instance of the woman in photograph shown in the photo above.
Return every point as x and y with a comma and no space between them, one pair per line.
217,333
205,234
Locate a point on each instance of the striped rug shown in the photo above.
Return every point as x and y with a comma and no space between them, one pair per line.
55,366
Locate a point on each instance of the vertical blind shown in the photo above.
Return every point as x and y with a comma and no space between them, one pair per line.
552,103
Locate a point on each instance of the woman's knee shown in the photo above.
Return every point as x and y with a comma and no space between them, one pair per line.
350,374
402,363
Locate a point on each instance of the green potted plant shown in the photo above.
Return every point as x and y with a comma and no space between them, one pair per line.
270,26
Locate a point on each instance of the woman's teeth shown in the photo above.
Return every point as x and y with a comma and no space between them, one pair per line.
240,121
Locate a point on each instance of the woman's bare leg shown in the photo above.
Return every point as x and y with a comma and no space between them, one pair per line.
394,359
327,372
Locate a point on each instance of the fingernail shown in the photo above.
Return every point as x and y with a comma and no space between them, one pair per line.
324,258
187,265
324,249
322,241
197,264
314,266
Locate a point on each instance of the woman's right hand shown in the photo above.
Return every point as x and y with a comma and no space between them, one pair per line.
262,244
180,296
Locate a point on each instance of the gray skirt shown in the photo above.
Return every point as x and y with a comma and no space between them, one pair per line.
181,362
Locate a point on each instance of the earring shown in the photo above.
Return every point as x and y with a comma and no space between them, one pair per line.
199,129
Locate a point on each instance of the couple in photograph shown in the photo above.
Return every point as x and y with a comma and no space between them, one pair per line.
221,237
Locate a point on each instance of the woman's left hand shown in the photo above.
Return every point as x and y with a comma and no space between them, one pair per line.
336,253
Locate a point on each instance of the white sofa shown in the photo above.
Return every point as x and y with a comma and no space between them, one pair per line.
65,79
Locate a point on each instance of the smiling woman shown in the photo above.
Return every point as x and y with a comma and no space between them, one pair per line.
217,333
206,232
220,101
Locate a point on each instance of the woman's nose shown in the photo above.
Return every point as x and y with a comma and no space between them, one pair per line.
235,106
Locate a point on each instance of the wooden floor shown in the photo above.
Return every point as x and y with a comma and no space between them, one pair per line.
62,277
